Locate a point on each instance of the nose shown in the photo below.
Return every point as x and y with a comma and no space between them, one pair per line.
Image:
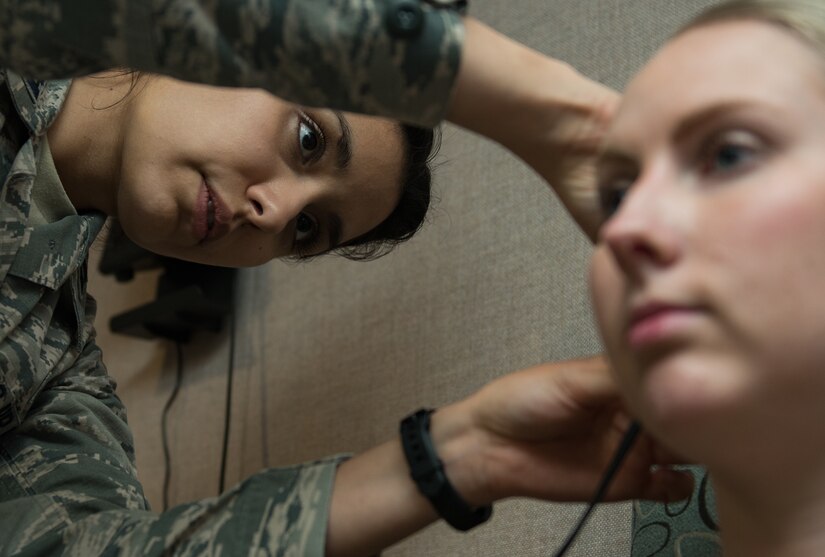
272,206
645,232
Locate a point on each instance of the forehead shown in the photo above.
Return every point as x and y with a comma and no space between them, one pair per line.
719,64
378,141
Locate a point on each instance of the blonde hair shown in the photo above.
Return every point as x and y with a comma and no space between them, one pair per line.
803,18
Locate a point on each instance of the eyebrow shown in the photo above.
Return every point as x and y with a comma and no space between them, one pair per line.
344,145
696,120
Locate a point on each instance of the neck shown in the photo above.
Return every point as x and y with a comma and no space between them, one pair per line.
774,507
86,140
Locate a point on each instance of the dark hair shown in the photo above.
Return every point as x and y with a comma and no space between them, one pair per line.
421,145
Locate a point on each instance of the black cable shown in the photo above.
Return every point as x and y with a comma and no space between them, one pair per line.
228,411
624,447
167,461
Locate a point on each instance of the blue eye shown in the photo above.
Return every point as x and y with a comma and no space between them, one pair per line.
612,195
729,157
731,151
310,140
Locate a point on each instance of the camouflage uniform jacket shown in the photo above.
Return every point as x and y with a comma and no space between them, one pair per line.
68,484
67,480
393,58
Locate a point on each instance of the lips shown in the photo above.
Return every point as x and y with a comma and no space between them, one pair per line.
657,323
212,216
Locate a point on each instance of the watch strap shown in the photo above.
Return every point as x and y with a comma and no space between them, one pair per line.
427,472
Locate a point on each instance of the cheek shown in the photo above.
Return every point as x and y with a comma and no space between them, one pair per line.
764,265
607,287
605,291
176,123
771,247
150,197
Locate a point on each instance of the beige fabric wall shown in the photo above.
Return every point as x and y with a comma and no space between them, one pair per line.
330,355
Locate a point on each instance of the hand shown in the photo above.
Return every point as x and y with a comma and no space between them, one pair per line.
568,129
549,432
571,149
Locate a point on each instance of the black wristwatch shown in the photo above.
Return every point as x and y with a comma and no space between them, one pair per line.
427,472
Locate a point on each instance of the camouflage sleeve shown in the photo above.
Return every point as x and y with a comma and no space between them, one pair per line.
68,487
392,58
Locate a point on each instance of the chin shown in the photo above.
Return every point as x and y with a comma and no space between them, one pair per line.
686,401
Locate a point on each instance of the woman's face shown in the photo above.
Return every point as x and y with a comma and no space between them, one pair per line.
238,177
709,276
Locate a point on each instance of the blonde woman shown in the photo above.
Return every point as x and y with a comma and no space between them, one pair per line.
708,276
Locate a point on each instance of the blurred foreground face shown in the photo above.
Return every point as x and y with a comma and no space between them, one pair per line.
709,276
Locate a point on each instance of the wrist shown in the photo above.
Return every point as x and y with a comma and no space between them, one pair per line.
460,447
515,95
429,473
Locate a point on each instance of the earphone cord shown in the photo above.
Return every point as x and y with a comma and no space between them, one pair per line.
228,405
164,434
624,447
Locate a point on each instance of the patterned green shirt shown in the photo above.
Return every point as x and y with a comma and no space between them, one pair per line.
393,58
680,529
68,484
67,479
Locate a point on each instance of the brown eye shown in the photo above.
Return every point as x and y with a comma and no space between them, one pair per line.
310,140
305,229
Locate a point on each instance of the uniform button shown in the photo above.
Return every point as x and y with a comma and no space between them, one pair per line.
405,18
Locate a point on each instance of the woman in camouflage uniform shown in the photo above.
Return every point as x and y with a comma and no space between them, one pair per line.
237,177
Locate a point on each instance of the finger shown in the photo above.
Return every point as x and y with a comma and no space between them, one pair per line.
587,382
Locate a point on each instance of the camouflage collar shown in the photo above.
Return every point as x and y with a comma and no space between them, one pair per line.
37,102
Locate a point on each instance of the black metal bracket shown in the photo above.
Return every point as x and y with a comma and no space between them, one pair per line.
190,297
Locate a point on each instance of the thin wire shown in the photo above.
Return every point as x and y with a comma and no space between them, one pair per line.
167,460
624,447
228,412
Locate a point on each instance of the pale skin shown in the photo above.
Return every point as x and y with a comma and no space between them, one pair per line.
708,275
547,432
